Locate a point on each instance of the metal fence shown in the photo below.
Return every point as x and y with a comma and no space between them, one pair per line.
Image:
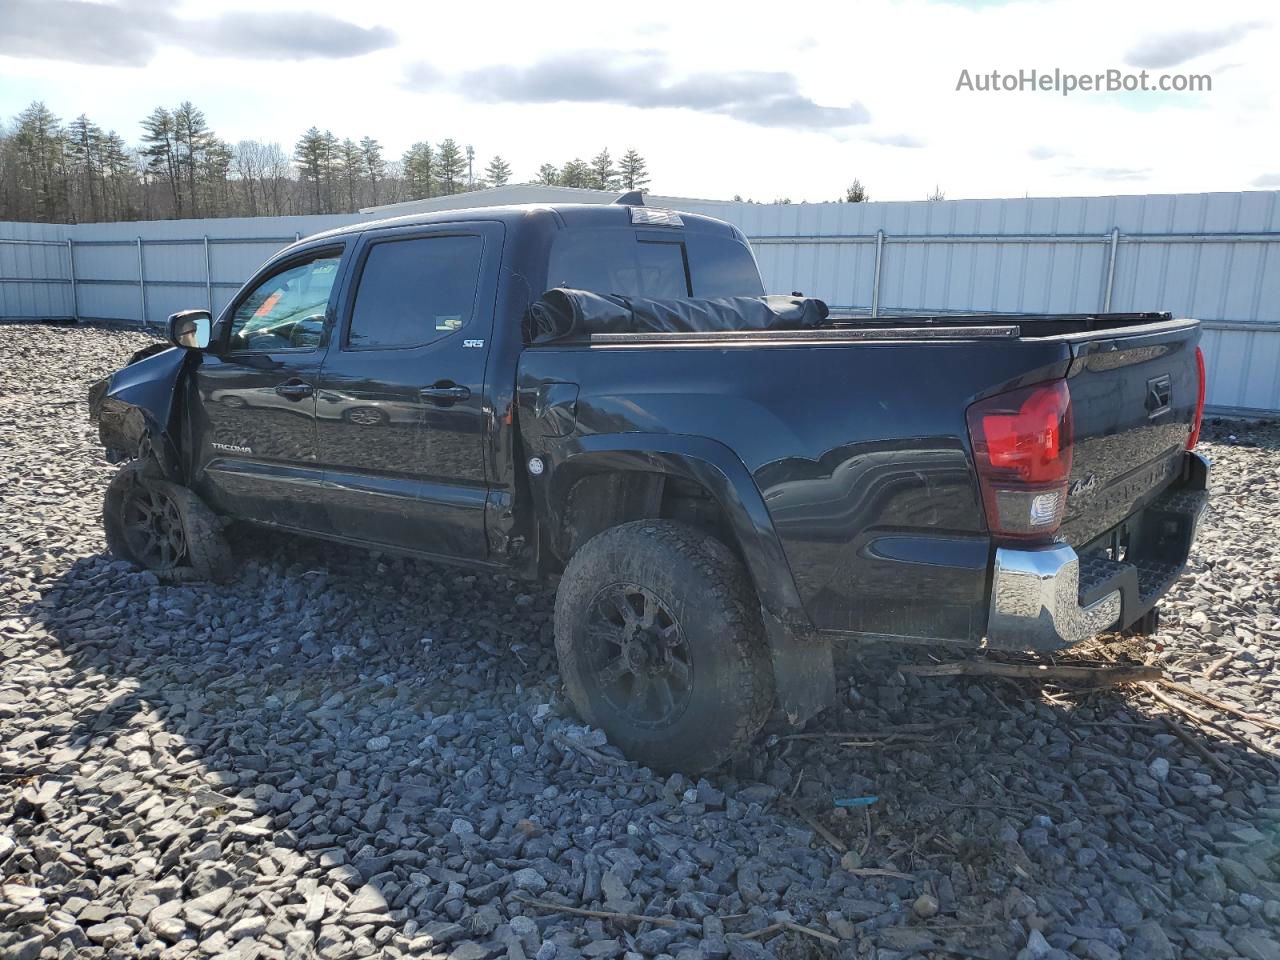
1211,256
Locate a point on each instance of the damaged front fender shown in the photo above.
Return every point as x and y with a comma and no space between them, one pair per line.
134,409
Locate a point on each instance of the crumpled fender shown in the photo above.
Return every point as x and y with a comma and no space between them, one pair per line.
134,409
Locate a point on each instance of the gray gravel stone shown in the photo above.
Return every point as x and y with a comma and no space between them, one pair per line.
342,754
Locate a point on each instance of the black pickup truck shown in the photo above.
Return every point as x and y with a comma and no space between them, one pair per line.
723,483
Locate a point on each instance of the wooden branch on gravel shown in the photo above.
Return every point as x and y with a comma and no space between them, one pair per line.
794,928
567,744
902,730
1176,729
1261,748
1217,665
598,914
1099,676
1217,704
879,872
817,827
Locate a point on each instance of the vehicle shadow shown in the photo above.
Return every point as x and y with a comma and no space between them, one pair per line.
358,746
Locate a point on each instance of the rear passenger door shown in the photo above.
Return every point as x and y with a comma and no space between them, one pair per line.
400,404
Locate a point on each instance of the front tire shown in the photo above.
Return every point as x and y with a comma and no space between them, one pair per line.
163,527
660,644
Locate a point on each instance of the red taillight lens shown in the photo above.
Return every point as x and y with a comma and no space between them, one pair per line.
1022,449
1195,424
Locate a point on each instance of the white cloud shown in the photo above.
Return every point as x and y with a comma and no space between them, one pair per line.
1172,49
897,59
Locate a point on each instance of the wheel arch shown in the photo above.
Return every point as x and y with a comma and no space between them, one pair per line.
636,467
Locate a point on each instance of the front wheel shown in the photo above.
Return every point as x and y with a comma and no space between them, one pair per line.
163,527
660,645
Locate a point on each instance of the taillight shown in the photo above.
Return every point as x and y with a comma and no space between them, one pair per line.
1195,424
1022,449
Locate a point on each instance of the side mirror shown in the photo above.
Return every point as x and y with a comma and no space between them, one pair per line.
190,329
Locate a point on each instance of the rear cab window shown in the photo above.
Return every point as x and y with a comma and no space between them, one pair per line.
653,263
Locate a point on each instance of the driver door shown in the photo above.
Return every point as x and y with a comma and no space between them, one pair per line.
254,416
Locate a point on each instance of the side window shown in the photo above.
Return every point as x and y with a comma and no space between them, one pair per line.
287,310
618,261
722,267
415,291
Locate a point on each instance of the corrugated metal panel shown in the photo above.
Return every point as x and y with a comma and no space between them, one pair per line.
43,261
1017,255
950,256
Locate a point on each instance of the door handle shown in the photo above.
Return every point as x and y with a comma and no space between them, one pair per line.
295,389
445,392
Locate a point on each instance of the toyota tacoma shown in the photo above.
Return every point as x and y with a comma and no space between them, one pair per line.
722,484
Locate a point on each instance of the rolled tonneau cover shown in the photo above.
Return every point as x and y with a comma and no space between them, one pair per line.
564,314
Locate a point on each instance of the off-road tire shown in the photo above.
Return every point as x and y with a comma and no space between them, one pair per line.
707,591
208,556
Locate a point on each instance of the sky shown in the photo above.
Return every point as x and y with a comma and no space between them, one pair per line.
765,101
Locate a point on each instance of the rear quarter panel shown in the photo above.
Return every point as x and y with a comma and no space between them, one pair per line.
860,451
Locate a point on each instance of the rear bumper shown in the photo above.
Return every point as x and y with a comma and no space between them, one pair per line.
1051,597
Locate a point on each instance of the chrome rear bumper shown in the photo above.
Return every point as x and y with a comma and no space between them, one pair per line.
1035,601
1035,592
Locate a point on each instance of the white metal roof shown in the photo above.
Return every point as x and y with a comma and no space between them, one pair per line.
521,193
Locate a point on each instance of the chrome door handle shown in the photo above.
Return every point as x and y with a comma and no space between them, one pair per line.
440,392
295,390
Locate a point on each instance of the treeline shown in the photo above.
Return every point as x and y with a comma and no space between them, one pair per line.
76,172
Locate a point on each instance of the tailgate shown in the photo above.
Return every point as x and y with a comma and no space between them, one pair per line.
1133,402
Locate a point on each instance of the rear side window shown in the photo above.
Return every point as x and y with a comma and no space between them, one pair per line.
413,292
618,261
722,267
639,264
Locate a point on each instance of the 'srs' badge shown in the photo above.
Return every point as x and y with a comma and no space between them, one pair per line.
474,344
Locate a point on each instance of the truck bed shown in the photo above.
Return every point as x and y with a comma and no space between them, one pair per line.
855,434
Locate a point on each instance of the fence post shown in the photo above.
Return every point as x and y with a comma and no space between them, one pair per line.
875,283
1111,270
142,283
71,275
208,274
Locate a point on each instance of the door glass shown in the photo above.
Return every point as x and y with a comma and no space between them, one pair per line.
287,310
617,261
413,292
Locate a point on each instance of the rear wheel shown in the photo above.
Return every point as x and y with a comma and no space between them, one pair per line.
163,527
660,644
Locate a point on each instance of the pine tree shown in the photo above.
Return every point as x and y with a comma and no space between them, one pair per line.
192,136
350,173
856,193
420,170
213,176
375,168
603,174
451,163
549,175
575,173
84,151
309,155
160,147
41,142
118,177
634,171
498,172
329,167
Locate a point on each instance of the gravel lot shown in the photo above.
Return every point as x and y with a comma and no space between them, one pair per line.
344,755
